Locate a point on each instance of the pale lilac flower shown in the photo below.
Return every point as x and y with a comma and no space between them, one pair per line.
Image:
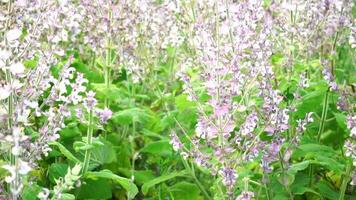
105,115
229,177
175,141
330,79
13,34
17,68
5,91
44,194
351,125
245,195
353,178
90,101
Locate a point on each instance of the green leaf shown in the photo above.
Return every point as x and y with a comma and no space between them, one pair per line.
57,170
141,177
317,148
146,186
112,93
185,190
329,162
102,188
161,147
104,153
67,196
30,193
124,182
183,103
341,120
70,131
293,169
302,190
126,117
65,152
81,146
326,191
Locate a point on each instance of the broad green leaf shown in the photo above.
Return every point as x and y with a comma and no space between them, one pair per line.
185,190
293,169
126,117
302,190
112,93
341,120
317,148
326,191
124,182
161,147
65,152
57,170
30,193
141,176
70,131
101,186
146,186
104,153
183,103
67,196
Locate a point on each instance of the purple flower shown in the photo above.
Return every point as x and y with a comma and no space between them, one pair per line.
105,115
175,141
330,79
229,177
90,101
245,195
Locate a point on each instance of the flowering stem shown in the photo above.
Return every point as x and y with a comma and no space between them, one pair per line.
133,150
107,64
107,71
345,180
323,115
89,142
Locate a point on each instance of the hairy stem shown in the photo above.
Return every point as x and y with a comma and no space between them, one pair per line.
133,150
89,142
268,195
345,180
108,61
323,115
192,173
284,174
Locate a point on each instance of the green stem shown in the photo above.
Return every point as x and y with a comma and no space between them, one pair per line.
323,115
107,71
133,150
284,174
345,180
268,195
201,187
108,61
89,142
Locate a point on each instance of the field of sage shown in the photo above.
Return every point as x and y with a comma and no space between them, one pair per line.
177,99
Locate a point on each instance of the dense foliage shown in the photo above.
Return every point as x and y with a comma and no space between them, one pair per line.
177,99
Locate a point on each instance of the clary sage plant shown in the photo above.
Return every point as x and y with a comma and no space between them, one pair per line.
177,99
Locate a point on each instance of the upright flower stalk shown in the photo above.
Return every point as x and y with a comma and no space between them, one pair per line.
108,60
345,179
89,141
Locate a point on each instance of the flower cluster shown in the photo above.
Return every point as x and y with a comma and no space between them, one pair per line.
232,43
35,102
